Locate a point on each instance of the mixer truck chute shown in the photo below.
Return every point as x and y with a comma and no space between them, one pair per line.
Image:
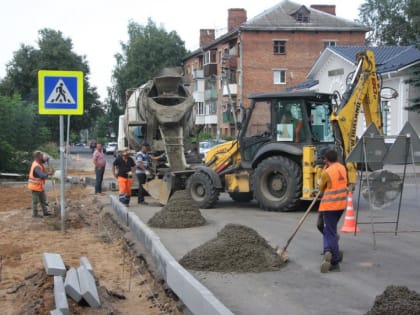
161,113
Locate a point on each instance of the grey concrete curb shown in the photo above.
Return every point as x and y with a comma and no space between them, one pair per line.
194,295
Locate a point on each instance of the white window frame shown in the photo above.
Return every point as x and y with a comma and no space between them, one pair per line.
279,76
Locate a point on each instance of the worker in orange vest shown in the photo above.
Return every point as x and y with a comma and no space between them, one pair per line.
333,185
36,183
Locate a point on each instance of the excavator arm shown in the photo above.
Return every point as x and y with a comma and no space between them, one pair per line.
363,92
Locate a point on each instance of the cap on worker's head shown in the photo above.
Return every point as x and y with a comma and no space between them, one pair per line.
145,144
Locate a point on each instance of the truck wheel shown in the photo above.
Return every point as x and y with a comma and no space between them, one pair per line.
241,196
202,190
277,184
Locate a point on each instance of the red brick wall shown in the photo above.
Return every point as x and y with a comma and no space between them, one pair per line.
206,36
236,17
302,50
325,8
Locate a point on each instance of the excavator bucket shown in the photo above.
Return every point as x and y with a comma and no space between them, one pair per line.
159,189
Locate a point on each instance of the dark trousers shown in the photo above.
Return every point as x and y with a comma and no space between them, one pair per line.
99,172
141,177
329,238
39,197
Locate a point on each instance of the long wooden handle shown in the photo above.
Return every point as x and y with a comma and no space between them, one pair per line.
302,220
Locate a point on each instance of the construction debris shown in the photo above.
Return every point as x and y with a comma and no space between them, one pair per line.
236,248
396,300
179,212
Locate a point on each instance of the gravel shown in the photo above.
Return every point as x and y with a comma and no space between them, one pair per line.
179,212
236,248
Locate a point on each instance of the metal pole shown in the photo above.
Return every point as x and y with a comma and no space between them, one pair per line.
68,141
62,149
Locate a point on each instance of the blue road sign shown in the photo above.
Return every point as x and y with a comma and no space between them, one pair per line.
60,92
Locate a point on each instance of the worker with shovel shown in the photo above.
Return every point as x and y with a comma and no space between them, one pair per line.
333,185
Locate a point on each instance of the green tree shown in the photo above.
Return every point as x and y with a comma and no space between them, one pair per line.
394,22
389,21
19,132
147,50
54,52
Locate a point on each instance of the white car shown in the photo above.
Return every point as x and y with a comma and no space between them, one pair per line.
110,148
206,145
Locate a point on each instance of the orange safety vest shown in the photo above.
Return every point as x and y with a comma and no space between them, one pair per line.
335,197
35,183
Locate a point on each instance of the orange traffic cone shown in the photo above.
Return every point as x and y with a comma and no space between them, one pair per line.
78,158
349,225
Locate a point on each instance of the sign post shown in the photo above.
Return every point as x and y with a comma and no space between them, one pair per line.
60,93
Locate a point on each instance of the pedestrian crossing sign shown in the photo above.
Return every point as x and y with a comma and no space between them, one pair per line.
60,92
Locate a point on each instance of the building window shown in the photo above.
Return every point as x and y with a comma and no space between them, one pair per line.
210,56
329,43
279,47
279,76
200,109
302,17
212,109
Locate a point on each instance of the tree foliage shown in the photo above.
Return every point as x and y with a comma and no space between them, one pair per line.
394,22
147,50
54,52
19,131
391,21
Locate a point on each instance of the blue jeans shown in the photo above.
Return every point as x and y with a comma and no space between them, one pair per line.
330,240
99,172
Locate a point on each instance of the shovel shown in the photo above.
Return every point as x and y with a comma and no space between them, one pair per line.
282,254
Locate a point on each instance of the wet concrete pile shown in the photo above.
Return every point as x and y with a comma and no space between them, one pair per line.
396,300
179,212
236,248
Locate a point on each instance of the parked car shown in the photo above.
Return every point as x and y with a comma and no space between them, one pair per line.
206,145
110,148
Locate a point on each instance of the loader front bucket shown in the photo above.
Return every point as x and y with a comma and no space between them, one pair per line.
161,189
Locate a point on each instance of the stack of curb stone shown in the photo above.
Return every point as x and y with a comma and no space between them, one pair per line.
78,284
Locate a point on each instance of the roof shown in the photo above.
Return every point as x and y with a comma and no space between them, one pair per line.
388,58
291,94
279,17
303,85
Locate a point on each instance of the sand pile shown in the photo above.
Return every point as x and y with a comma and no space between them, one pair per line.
236,248
179,212
396,300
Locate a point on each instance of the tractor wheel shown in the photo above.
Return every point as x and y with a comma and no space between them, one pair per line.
202,190
241,196
277,184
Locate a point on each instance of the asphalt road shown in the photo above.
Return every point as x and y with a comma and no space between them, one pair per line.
371,261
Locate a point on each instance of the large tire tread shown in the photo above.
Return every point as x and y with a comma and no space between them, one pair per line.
290,170
202,180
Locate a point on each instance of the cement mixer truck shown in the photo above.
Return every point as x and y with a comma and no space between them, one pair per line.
161,113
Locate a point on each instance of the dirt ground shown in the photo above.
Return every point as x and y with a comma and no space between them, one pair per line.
124,281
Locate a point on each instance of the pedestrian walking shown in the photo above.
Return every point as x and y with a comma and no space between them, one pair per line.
143,159
333,185
123,169
36,183
99,161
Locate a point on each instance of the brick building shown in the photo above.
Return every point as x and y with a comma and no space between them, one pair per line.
269,52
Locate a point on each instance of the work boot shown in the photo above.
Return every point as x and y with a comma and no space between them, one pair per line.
326,263
340,256
335,267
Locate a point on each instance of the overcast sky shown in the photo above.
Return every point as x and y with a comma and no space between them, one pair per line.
96,27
